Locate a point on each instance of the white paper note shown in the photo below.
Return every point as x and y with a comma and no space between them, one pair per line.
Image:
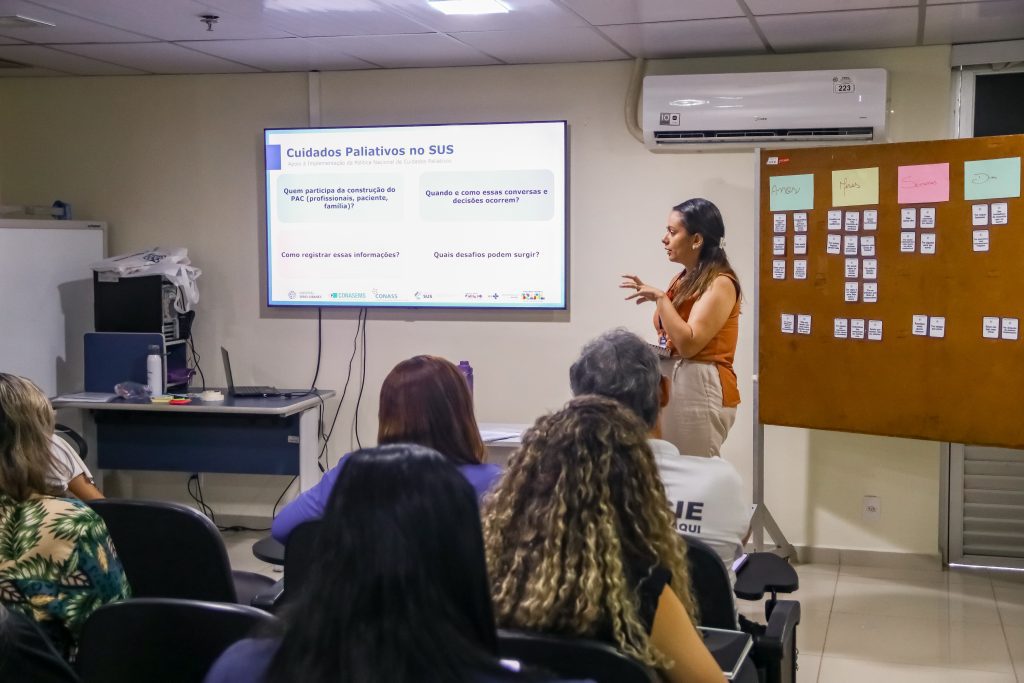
979,214
852,268
870,292
1009,330
990,328
1000,215
780,222
851,291
850,245
835,220
799,244
920,327
788,323
908,219
857,328
803,324
852,223
928,217
907,241
874,330
980,240
928,243
779,245
799,269
871,219
867,245
834,245
936,327
840,328
800,222
870,269
778,270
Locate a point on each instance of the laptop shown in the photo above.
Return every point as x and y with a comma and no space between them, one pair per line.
244,392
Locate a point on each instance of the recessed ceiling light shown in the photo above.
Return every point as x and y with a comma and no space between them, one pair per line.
469,6
19,21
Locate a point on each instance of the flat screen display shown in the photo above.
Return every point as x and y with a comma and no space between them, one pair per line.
442,216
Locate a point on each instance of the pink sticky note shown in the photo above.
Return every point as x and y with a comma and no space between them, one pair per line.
923,184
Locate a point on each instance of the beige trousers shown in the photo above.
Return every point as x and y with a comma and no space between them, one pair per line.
694,419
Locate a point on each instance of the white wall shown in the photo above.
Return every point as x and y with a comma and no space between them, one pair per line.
176,160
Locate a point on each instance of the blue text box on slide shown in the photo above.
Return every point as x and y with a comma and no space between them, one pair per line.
526,195
791,192
339,197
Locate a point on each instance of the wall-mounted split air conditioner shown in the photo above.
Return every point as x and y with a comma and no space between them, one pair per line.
764,108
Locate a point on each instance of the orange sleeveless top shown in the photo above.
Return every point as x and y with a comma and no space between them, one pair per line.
720,350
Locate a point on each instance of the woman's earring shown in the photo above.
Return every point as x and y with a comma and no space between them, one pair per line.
696,246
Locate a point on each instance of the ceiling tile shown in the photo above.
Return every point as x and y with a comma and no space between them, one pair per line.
686,38
759,7
975,22
11,41
159,58
326,17
29,73
525,15
856,29
422,49
546,45
68,27
602,12
55,60
283,54
168,19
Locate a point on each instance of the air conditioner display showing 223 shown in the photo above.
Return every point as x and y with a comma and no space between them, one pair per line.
447,216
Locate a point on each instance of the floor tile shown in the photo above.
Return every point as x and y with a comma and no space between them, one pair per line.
1010,601
946,577
922,599
807,667
842,670
1015,640
239,547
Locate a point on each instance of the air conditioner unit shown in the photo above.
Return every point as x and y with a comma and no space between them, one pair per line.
764,108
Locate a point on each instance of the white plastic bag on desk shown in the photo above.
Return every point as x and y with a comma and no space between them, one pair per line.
170,262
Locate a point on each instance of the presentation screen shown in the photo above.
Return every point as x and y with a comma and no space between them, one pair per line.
442,216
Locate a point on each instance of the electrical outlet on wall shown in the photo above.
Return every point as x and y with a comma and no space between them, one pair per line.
872,508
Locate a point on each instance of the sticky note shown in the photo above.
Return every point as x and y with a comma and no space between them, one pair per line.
850,245
803,324
908,241
852,223
908,219
778,270
800,222
779,245
992,178
1009,330
799,269
874,330
936,327
990,328
928,243
999,214
851,292
922,183
928,217
856,328
870,292
788,323
867,245
980,241
920,326
799,244
855,186
870,269
852,268
833,245
840,327
979,214
835,220
780,222
791,192
871,219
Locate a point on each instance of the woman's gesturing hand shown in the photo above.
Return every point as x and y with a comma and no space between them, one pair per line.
641,292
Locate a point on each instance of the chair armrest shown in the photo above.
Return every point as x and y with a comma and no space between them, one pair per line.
269,599
765,572
778,638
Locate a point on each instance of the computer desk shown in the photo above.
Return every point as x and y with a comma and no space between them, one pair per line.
237,435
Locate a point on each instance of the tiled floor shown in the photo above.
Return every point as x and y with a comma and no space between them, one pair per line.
877,625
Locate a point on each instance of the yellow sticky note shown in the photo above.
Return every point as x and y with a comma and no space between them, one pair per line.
855,186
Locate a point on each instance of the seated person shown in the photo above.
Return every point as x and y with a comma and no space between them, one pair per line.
27,655
705,493
580,542
400,591
69,473
57,564
424,400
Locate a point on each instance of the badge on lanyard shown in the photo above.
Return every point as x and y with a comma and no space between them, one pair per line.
663,341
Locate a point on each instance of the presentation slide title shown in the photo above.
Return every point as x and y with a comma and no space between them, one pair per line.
364,151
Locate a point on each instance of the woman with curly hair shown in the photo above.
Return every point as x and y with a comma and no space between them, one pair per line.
580,542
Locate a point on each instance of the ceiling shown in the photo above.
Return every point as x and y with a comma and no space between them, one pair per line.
126,37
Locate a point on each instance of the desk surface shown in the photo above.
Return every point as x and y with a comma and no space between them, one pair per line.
282,406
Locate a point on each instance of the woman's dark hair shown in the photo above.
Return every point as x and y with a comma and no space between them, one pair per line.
400,591
426,400
701,217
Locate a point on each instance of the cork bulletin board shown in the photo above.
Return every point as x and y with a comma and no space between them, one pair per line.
892,289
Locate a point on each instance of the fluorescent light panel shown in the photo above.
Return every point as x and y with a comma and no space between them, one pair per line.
469,6
20,21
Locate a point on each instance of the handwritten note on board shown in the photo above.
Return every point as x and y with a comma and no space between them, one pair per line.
923,184
992,178
791,192
855,186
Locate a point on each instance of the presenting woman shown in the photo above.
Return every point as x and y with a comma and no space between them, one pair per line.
697,321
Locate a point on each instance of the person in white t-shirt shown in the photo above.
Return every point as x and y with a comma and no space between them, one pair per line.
705,493
68,472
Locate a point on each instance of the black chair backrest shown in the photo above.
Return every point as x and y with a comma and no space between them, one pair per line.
160,639
74,437
168,550
712,588
572,657
300,554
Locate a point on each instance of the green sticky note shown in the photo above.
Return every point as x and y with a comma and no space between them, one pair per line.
791,192
855,186
992,178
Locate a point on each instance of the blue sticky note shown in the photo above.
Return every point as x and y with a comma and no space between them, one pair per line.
992,178
791,192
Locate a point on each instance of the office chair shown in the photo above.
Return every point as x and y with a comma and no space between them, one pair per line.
160,640
572,657
74,438
170,550
774,652
300,553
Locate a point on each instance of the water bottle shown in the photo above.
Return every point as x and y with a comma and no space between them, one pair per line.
155,371
467,371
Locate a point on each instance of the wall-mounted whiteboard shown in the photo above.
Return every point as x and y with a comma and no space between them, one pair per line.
46,300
